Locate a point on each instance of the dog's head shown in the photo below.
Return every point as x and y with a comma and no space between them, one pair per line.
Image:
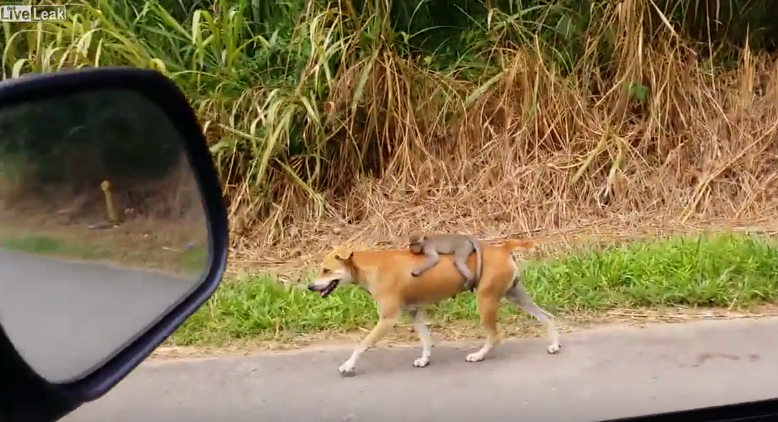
338,268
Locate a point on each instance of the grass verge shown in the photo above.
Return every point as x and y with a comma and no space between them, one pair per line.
117,250
721,270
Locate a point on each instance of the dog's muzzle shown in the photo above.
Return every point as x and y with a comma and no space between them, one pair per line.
326,289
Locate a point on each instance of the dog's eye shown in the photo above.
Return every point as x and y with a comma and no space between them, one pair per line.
326,271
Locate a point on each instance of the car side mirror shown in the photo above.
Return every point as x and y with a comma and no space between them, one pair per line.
113,231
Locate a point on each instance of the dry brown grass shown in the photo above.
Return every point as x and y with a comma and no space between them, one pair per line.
533,153
645,133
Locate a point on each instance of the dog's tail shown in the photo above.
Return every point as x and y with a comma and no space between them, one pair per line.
516,244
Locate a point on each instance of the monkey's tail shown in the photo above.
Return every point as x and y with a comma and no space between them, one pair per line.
516,244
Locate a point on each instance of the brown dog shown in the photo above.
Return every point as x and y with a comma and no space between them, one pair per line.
385,274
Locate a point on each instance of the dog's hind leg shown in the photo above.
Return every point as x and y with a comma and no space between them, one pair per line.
487,309
519,296
424,336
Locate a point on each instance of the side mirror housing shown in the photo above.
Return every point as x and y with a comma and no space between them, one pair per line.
114,231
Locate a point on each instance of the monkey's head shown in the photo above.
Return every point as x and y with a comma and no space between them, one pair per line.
416,243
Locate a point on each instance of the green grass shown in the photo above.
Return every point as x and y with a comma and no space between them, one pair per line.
50,246
192,261
707,271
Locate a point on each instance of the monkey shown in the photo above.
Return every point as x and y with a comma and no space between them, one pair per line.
460,245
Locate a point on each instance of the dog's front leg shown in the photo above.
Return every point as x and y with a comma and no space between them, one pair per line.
488,305
380,330
424,336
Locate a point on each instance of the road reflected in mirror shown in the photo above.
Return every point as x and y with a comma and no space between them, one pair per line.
103,226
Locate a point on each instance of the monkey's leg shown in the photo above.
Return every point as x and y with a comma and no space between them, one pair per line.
460,261
432,259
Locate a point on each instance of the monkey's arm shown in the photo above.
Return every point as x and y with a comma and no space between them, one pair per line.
432,259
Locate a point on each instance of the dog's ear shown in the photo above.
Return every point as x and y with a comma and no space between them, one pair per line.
346,260
344,255
339,254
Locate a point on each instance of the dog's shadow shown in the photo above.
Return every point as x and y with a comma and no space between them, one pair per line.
312,366
445,358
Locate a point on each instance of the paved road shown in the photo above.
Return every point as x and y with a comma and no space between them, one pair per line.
66,317
600,374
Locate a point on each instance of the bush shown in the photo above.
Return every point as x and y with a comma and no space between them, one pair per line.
315,106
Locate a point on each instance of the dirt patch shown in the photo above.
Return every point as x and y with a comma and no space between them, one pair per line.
144,244
163,229
403,335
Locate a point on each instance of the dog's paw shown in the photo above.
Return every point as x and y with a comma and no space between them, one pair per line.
554,349
347,368
475,357
421,362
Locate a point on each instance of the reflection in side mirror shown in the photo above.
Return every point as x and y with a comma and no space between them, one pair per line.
103,228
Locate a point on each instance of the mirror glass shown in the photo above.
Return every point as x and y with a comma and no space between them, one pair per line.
103,226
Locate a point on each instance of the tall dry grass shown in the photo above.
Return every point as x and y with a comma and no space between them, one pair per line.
330,124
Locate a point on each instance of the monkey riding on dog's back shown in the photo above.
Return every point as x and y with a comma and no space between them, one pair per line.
460,245
386,275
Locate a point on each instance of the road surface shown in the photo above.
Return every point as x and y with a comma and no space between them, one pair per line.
599,374
66,317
